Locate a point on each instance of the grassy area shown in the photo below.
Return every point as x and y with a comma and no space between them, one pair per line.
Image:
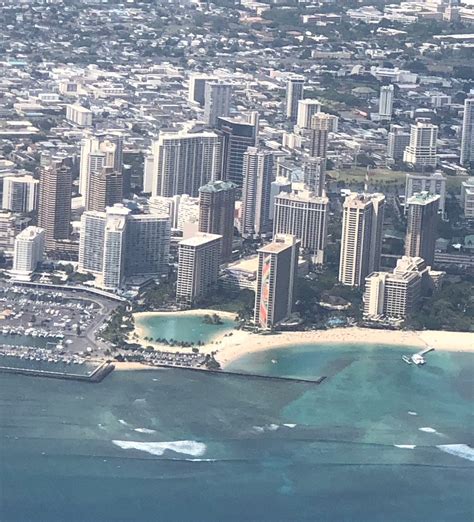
388,177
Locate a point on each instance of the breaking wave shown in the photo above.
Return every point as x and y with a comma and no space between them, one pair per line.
405,446
144,430
187,447
458,450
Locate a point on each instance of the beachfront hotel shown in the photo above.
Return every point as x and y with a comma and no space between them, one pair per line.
395,295
198,267
361,242
276,276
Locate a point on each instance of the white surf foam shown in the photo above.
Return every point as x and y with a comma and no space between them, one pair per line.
405,446
458,450
427,429
290,425
412,413
144,430
258,429
124,423
187,447
272,427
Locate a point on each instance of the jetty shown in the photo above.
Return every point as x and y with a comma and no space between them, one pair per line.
244,375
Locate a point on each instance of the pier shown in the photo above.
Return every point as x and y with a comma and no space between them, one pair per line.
97,375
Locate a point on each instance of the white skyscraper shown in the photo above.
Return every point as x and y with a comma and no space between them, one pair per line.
28,252
198,267
306,110
256,193
217,98
361,242
303,215
294,93
184,162
421,151
432,183
281,184
20,193
97,153
386,102
467,137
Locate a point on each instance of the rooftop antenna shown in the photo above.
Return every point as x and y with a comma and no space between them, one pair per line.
366,181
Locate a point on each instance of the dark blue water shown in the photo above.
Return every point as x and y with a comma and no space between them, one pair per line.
174,445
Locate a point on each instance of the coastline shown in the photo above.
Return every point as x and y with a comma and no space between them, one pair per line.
238,346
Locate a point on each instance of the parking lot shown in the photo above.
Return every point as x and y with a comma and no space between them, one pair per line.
73,316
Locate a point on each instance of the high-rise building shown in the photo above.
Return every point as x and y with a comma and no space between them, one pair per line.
361,242
28,252
281,184
216,213
386,102
197,87
105,189
397,294
147,245
421,151
198,267
148,173
256,193
421,226
432,183
307,108
314,172
467,198
185,161
303,215
98,152
467,133
20,193
321,124
217,97
54,206
294,93
276,277
237,135
116,244
398,141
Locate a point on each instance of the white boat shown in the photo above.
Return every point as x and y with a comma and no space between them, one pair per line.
406,359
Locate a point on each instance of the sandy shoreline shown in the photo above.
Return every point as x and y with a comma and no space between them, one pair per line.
243,343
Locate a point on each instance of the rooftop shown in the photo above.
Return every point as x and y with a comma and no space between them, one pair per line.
200,239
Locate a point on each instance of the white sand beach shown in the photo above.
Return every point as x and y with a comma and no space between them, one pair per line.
242,343
230,347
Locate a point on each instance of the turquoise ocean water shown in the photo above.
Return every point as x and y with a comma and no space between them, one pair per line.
174,445
188,328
